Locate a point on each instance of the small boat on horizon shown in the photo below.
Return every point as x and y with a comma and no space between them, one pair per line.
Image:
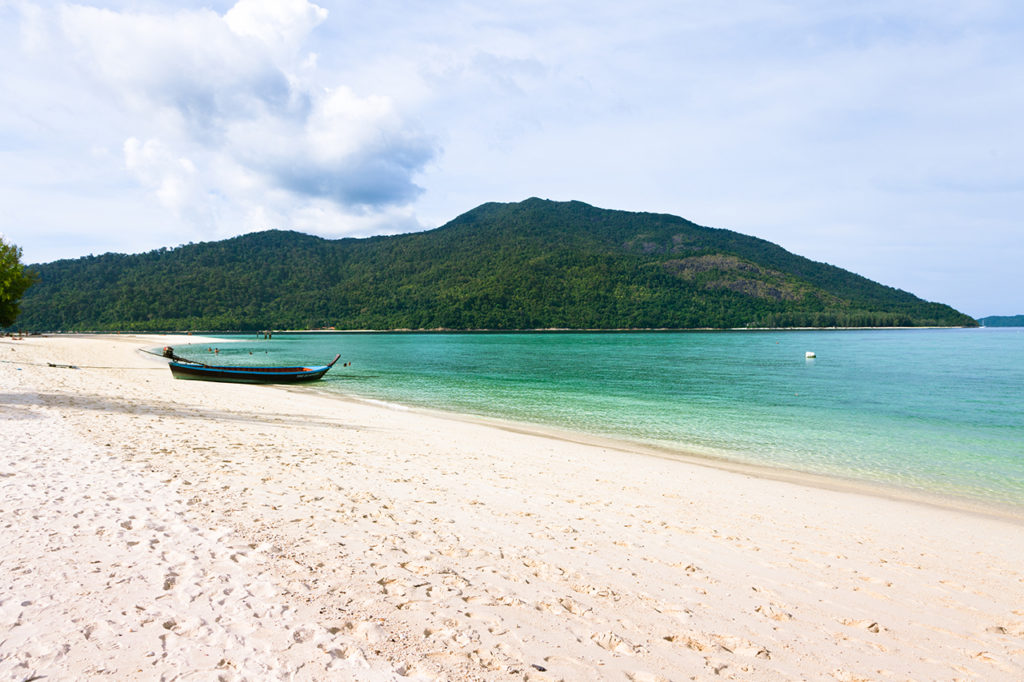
182,368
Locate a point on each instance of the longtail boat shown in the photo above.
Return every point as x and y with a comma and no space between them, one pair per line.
182,368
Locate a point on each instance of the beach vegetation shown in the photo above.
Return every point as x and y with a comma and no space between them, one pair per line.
15,279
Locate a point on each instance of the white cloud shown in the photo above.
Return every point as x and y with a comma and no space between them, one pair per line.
220,98
172,178
852,133
281,24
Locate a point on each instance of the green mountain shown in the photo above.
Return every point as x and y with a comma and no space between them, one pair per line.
534,264
1002,321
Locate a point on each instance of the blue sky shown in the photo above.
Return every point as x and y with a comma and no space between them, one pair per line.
882,137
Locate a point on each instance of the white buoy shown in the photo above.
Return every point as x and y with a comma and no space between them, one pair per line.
810,354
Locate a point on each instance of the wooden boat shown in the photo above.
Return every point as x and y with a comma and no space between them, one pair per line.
190,369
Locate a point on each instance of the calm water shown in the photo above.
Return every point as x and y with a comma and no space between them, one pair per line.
940,411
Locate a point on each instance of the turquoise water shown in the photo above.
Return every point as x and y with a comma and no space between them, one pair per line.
936,411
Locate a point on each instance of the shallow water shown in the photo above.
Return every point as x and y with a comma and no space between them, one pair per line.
936,411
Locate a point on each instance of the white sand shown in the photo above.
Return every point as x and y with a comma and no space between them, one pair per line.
161,529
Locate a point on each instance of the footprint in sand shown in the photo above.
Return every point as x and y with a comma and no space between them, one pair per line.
612,642
773,611
718,644
644,676
869,625
565,667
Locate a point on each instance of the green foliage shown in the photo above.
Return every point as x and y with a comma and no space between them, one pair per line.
529,265
1002,321
15,279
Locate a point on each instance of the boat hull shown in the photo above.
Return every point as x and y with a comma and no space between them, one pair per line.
248,375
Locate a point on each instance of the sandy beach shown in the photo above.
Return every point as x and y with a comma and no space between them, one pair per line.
160,529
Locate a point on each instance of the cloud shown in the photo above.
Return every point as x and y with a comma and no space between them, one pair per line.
157,167
850,133
280,24
232,111
354,151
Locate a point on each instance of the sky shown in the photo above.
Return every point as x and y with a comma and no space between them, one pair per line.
884,137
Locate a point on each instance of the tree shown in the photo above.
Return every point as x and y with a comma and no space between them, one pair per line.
14,280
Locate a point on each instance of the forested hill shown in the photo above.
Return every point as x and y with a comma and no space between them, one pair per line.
529,265
1003,321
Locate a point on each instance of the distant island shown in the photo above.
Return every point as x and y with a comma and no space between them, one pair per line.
1002,321
535,264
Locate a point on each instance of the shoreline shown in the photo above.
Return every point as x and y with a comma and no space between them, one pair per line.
960,499
950,502
953,500
163,527
212,334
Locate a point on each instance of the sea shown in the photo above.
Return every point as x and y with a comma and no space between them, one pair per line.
937,413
